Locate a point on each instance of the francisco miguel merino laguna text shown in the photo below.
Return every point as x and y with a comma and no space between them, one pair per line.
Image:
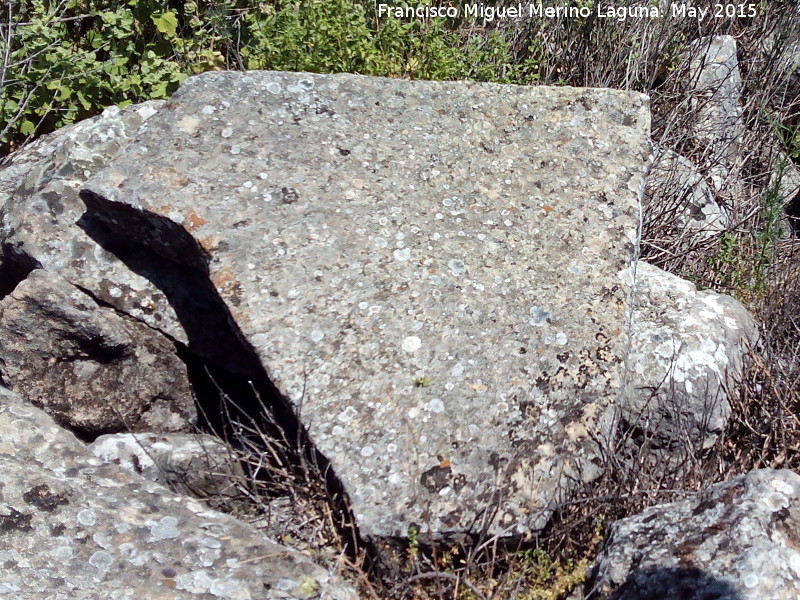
620,13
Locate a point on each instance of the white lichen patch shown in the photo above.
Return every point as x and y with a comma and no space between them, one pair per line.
87,517
189,124
435,405
411,344
783,487
794,562
165,529
750,580
348,414
402,255
539,316
457,267
101,560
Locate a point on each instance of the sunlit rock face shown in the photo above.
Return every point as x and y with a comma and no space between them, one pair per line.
436,275
738,539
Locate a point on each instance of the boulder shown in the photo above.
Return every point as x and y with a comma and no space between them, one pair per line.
688,350
40,217
198,465
90,368
715,87
737,540
75,527
677,192
431,273
72,152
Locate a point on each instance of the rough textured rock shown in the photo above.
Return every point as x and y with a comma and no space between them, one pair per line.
687,351
785,182
779,55
88,367
676,187
197,465
715,87
73,527
40,217
737,540
430,270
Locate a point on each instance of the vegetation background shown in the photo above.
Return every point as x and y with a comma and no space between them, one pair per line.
65,60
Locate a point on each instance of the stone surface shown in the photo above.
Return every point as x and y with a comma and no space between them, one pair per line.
74,527
737,540
430,272
778,56
785,182
715,86
198,465
676,188
90,368
40,216
687,350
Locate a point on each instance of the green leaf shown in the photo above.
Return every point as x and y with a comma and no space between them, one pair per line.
27,127
166,23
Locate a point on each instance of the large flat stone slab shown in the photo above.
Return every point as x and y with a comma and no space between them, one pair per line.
433,273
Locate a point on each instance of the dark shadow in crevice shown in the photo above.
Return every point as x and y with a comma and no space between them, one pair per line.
15,266
233,390
667,583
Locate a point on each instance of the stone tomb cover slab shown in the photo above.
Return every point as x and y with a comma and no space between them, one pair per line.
432,272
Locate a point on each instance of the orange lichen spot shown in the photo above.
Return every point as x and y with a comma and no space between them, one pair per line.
223,279
208,243
194,220
176,184
432,272
547,208
163,209
478,387
539,351
239,316
444,463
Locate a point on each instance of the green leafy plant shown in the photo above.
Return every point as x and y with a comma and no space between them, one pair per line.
65,61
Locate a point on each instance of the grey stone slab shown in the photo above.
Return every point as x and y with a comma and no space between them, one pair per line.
433,273
73,527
